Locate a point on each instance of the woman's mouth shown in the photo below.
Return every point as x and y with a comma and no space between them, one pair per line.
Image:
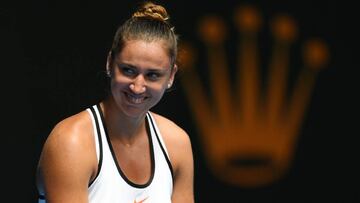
135,99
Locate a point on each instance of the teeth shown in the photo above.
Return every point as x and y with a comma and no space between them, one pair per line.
135,100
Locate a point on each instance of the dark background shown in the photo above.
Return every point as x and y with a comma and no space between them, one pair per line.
53,54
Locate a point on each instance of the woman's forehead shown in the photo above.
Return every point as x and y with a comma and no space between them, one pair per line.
141,53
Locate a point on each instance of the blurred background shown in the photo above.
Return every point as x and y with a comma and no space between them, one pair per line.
266,91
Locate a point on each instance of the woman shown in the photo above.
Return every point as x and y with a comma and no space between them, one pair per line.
117,150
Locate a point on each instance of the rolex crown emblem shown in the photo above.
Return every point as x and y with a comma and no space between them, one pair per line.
248,131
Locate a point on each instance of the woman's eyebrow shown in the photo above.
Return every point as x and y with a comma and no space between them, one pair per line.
151,69
156,70
127,65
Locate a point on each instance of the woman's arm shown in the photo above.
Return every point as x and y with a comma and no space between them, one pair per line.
183,171
67,162
180,152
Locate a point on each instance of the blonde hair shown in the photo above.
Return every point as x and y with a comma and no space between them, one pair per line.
152,10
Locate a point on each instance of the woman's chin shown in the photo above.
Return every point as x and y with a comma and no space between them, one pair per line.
134,111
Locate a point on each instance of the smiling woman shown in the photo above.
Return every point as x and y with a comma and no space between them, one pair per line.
140,77
118,150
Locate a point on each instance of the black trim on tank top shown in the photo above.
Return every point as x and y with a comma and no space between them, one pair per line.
42,197
100,144
162,148
122,174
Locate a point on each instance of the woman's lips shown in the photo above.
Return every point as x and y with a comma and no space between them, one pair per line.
135,99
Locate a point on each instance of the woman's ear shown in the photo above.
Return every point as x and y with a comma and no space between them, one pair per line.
172,75
108,64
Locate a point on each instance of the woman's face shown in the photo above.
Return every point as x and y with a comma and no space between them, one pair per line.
141,73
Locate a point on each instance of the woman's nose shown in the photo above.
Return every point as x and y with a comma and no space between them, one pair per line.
138,85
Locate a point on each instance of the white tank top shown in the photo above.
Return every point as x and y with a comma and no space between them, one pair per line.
112,186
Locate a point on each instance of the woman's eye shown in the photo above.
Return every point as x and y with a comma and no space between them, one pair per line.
128,71
153,76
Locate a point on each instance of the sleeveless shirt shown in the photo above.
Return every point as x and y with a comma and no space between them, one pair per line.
111,184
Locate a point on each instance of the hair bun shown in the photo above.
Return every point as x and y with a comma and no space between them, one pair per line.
153,11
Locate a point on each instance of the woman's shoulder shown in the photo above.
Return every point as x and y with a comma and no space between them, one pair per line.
168,127
177,142
72,130
69,150
175,137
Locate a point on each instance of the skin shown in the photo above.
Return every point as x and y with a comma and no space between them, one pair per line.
140,74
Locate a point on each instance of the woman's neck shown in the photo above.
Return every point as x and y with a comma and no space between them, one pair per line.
120,126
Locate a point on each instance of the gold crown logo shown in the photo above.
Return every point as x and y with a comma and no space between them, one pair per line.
248,134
